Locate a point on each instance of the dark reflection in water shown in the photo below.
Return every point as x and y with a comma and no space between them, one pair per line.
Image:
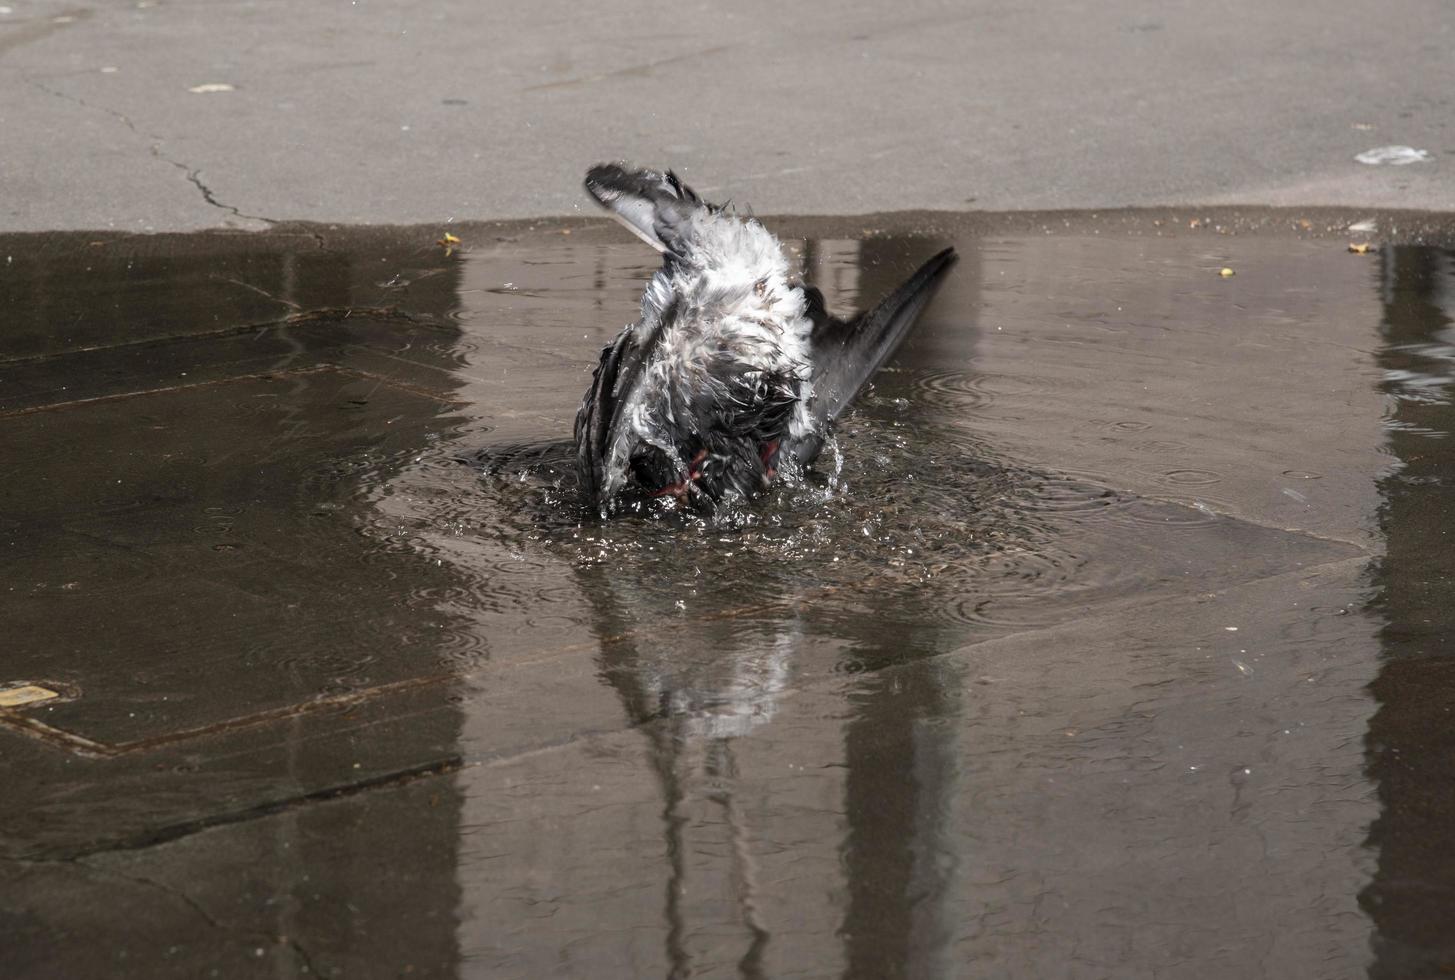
903,764
900,743
194,434
1412,737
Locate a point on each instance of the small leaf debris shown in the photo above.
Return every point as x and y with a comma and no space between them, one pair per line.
22,694
1362,248
1226,273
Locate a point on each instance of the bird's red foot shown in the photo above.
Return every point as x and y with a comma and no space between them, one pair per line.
769,453
680,488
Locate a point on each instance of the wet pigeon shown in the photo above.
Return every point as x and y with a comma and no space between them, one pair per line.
734,371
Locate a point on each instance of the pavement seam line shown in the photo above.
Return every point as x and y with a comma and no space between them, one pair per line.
455,763
145,839
301,318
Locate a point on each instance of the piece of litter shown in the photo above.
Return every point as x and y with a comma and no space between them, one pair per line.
1362,248
1397,156
1225,272
448,239
110,70
14,697
1295,495
1368,224
1243,668
210,87
1231,629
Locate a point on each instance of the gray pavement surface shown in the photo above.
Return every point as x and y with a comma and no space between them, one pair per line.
169,115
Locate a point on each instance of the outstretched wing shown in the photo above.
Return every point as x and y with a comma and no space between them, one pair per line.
654,205
846,353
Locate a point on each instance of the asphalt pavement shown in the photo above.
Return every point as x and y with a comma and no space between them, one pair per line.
156,115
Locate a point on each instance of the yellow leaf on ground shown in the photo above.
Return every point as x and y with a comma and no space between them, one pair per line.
14,697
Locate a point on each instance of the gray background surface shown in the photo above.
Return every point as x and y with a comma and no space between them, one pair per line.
368,112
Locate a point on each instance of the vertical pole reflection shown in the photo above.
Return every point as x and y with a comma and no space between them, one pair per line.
1411,741
900,749
900,746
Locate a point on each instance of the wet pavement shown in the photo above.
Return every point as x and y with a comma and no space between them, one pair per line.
1112,641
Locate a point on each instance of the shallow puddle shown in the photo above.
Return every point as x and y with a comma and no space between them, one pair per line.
1109,640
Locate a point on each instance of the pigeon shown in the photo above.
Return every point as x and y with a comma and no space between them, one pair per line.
735,371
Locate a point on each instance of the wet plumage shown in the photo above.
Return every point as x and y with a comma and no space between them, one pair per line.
733,371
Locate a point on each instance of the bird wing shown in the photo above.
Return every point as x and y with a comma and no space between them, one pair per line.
599,421
593,420
846,353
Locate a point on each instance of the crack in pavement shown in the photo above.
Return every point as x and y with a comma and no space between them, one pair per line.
193,175
207,195
182,896
164,835
308,966
251,936
125,119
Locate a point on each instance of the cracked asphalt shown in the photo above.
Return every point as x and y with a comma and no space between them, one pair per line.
373,113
